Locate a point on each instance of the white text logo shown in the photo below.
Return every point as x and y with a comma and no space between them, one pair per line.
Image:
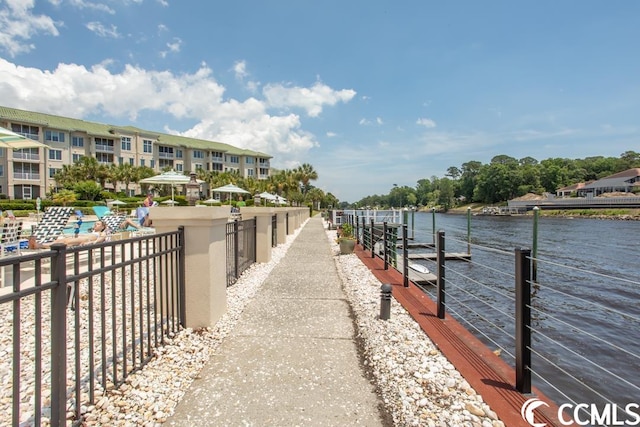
527,411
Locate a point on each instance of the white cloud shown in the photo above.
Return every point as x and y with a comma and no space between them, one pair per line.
379,121
312,99
240,70
77,91
428,123
99,29
100,7
18,25
174,47
331,134
164,3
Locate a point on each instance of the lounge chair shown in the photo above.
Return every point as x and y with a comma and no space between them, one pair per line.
114,222
10,238
101,211
52,224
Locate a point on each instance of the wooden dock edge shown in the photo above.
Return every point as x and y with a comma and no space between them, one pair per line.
487,373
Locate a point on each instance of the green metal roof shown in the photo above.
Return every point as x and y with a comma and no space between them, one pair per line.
110,131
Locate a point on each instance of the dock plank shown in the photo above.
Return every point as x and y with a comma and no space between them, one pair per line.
431,256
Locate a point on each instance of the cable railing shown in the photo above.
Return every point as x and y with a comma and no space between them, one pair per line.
576,343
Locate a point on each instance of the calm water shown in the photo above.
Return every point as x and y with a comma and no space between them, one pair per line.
588,272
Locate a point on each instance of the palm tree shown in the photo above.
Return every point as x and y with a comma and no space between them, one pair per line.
306,173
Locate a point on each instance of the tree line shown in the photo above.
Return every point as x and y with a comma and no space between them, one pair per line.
502,179
92,180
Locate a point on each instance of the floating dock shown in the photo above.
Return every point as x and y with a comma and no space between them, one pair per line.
431,256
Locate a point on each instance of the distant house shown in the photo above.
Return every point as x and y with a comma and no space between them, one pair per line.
571,189
622,182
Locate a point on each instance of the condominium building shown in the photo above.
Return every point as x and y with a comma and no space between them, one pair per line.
28,173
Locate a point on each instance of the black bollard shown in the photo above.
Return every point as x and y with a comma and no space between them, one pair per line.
385,301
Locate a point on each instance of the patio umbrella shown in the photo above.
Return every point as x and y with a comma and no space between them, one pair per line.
231,189
171,178
12,140
267,196
116,203
211,201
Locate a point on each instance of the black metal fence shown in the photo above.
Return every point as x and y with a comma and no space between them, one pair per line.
77,321
241,248
274,231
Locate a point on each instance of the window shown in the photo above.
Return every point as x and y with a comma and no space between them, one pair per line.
104,157
77,141
179,167
126,143
52,172
120,160
24,130
216,156
104,144
54,136
165,151
216,167
250,160
249,172
141,162
131,162
147,146
178,154
76,157
153,164
197,154
55,154
234,159
197,166
1,172
165,163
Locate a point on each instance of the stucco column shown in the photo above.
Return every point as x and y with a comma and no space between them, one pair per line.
205,258
281,224
263,230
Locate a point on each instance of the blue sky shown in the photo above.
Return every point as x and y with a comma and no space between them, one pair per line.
371,93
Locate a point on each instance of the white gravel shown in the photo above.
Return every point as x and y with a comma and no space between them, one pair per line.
418,385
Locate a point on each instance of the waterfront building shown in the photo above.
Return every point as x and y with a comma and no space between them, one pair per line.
29,173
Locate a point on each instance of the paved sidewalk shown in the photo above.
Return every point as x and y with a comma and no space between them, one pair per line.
292,358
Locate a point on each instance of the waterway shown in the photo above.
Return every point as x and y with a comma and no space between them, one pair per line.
586,306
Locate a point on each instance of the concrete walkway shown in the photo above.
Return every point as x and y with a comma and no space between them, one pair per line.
292,359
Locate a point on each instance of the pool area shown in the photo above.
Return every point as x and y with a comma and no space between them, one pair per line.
85,227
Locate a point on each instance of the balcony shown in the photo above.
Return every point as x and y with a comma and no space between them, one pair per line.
26,156
163,155
104,148
33,136
26,176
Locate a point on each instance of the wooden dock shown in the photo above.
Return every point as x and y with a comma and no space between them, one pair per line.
431,256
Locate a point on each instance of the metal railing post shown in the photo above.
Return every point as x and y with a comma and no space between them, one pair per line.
385,255
523,320
440,258
373,254
59,336
181,272
236,248
405,257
